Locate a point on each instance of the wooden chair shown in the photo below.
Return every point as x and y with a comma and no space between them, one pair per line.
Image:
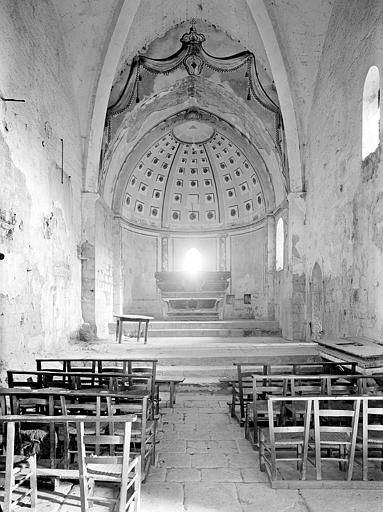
305,386
15,471
370,437
32,436
257,410
23,379
120,469
242,389
91,407
141,374
287,443
242,386
335,431
341,385
143,435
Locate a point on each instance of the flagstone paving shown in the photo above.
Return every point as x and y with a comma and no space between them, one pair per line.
206,465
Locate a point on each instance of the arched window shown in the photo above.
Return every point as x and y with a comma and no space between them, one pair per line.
280,245
371,112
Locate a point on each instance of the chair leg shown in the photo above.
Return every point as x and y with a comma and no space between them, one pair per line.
299,457
33,482
83,480
261,439
342,455
138,487
9,473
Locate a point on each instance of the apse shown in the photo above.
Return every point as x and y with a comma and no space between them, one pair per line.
194,187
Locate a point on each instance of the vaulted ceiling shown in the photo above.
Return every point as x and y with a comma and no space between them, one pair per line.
102,39
193,177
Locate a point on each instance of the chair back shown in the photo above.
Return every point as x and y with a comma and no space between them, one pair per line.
336,425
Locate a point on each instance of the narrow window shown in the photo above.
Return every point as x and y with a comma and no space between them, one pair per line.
371,112
280,245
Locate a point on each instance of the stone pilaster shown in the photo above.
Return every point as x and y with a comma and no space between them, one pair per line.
88,254
118,282
294,326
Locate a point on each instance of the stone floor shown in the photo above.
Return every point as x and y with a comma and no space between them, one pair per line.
204,464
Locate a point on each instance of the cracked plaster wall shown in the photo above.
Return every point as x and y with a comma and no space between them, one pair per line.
345,197
39,216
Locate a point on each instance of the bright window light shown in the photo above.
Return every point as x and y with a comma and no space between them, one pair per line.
193,261
371,112
280,245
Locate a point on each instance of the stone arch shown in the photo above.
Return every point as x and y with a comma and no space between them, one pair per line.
316,302
101,98
109,65
249,137
262,19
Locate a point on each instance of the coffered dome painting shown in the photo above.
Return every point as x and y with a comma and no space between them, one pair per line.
193,177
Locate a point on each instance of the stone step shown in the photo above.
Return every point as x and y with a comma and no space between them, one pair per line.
235,328
214,332
218,324
211,369
225,356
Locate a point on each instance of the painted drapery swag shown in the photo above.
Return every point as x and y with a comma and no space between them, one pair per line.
193,57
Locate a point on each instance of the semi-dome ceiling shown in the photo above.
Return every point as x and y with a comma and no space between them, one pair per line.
193,177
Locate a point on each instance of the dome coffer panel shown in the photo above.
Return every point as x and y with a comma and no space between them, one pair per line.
179,185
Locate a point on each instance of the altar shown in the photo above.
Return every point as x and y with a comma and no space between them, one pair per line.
192,295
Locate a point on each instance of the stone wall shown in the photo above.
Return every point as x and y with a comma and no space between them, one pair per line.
103,268
248,269
344,196
39,204
139,264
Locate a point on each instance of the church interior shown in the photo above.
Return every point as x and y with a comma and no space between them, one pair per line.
190,201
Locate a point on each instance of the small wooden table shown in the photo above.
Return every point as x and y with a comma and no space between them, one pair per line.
132,318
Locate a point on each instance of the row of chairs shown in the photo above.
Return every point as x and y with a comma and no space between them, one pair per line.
242,386
110,462
63,439
333,429
299,385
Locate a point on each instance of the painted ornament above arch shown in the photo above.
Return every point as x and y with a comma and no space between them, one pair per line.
193,57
